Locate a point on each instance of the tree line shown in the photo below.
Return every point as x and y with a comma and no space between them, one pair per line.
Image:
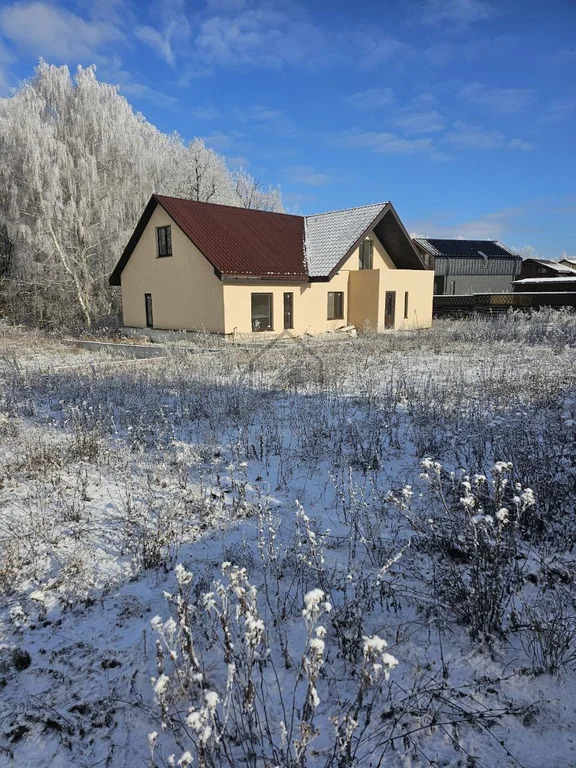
77,166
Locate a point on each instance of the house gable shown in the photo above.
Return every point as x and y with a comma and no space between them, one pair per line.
238,242
183,291
332,238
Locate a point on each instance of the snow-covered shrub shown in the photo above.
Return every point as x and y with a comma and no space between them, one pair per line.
471,534
222,692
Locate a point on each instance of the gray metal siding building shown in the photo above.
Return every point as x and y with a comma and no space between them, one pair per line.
463,267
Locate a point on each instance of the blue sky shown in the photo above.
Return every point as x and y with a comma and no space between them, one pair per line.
461,112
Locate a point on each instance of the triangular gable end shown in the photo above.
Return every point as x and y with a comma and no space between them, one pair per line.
384,221
115,277
396,240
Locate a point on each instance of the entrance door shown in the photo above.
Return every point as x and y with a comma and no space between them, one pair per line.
149,318
389,309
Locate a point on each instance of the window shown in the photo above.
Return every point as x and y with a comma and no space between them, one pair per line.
148,306
288,311
262,312
164,241
335,305
366,254
405,304
541,270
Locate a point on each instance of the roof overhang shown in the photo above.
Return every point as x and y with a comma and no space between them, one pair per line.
391,232
115,277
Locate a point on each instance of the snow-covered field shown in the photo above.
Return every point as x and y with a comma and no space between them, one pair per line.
332,552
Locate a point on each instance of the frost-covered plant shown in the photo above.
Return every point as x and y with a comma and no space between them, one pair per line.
547,631
218,664
471,533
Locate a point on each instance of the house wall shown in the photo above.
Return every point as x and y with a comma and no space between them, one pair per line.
463,275
461,285
363,297
186,294
310,305
419,284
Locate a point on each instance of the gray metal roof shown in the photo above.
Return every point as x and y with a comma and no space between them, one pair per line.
555,266
329,236
457,247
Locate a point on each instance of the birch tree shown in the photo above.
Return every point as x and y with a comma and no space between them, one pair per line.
252,195
77,166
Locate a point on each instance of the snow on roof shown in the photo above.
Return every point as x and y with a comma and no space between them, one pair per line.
329,236
555,266
546,280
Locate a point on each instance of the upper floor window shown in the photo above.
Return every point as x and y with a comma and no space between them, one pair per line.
335,305
164,241
366,254
541,270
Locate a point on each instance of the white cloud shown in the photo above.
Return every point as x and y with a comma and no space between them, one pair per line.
525,146
373,98
420,122
46,30
4,90
258,113
558,109
371,51
305,174
474,137
460,13
385,143
206,113
490,226
142,91
477,137
261,34
506,100
221,141
159,43
112,11
237,162
169,33
263,118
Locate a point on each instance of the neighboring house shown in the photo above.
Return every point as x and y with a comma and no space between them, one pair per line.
543,276
464,267
564,284
191,265
542,268
568,261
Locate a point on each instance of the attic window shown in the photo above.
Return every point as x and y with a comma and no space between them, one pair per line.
541,270
164,241
366,254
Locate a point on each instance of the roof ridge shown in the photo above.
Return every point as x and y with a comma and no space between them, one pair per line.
461,240
225,205
345,210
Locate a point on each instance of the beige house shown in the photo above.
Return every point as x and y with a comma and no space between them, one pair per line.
200,266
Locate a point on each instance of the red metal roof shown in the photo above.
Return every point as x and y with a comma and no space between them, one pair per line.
242,241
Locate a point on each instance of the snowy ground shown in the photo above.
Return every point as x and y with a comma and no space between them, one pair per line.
304,467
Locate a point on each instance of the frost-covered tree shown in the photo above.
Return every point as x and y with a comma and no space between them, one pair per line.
77,166
252,195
